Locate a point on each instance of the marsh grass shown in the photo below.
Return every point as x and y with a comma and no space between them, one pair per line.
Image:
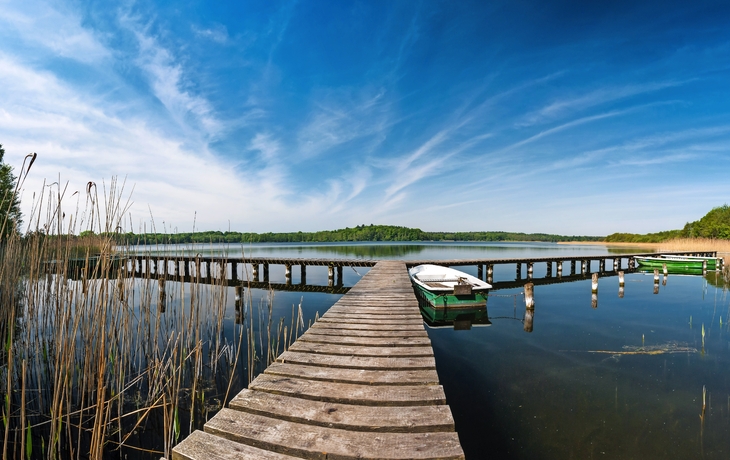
97,363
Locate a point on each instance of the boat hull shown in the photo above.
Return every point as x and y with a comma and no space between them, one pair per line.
450,301
676,263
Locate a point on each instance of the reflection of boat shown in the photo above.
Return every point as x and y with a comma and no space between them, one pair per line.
460,319
443,287
678,262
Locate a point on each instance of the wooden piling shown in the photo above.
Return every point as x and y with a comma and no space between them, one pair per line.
266,272
664,269
255,272
583,267
616,263
602,265
518,274
529,270
234,271
239,298
287,273
621,278
656,281
162,298
549,269
480,271
594,300
529,290
490,273
560,268
303,274
331,275
339,275
572,267
594,283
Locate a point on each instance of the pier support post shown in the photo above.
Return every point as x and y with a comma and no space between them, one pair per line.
287,273
490,273
330,275
704,267
480,271
615,263
239,298
602,266
234,271
621,285
572,267
161,288
529,290
583,267
339,275
594,282
518,274
529,270
255,272
549,270
632,263
303,274
656,281
559,267
266,272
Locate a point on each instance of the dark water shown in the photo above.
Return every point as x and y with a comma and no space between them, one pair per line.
623,380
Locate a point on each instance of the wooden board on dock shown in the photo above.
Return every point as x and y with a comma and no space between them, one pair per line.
360,383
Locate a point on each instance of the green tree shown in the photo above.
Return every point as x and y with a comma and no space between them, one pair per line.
10,215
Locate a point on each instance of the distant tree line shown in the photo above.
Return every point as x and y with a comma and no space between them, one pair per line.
359,233
715,224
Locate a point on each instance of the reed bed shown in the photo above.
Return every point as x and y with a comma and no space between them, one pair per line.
696,244
98,363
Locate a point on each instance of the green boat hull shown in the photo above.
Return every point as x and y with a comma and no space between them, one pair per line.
450,301
677,264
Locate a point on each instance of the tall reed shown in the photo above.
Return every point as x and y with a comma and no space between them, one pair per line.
97,351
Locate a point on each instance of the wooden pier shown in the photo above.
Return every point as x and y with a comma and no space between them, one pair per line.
360,383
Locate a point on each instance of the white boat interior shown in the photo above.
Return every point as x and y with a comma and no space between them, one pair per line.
438,278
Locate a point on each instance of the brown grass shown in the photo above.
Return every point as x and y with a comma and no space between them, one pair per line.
696,244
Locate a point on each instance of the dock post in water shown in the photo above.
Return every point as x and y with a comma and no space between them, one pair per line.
339,275
621,285
266,272
656,281
559,268
518,274
331,275
490,273
287,274
161,288
583,267
255,272
594,282
602,265
480,271
529,316
549,269
303,274
572,267
615,264
529,270
529,290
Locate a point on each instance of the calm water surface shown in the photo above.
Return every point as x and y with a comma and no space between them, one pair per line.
605,382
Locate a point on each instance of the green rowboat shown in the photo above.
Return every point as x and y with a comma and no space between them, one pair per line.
678,262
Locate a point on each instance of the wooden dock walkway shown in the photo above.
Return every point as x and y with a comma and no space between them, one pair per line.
360,383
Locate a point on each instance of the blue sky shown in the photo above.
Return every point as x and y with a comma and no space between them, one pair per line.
568,117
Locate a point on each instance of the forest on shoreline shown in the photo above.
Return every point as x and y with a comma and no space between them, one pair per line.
359,233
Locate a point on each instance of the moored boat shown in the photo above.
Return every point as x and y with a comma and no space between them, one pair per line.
445,288
678,262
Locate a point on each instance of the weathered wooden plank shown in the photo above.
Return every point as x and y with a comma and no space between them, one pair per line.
368,327
350,393
357,362
322,329
205,446
356,376
414,317
371,321
367,341
375,310
329,349
315,442
413,419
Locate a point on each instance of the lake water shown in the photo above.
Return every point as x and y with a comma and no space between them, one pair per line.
623,380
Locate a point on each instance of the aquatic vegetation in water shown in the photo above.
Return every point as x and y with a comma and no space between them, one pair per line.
667,348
